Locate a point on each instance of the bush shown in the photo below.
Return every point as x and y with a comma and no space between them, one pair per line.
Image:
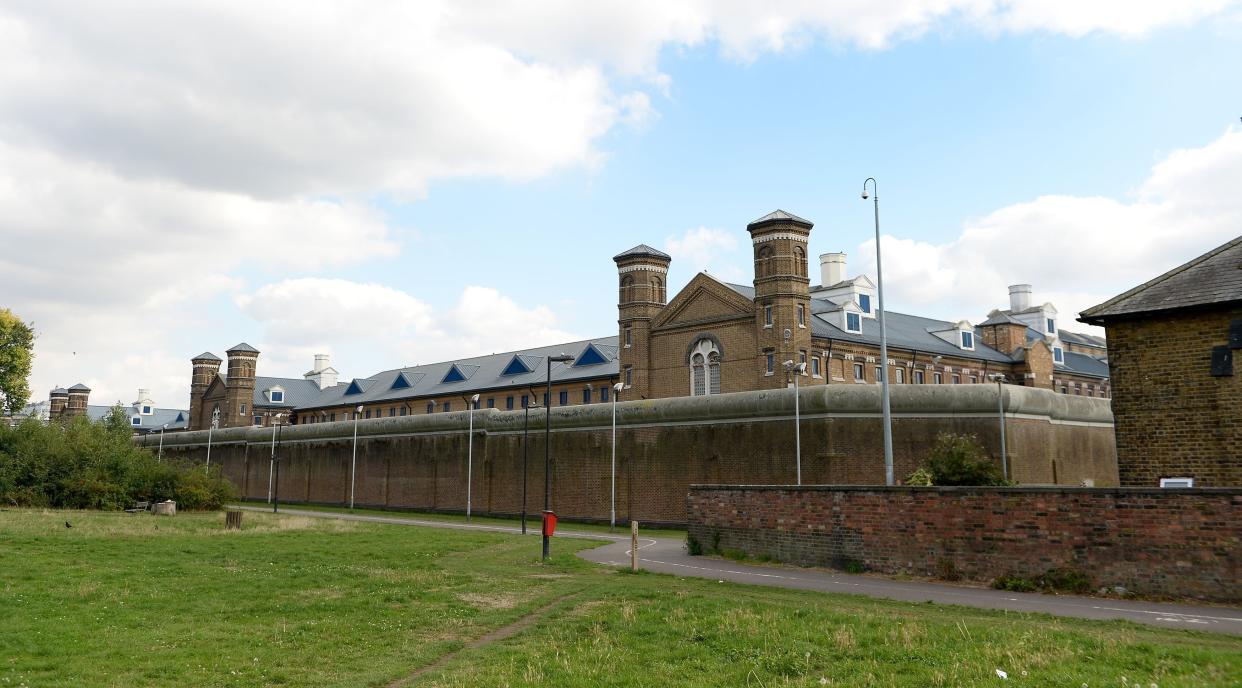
1054,580
957,460
78,464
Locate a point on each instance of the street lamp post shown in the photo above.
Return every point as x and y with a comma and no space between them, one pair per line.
1000,414
797,371
470,452
612,510
271,466
215,423
547,451
525,453
879,285
278,432
161,454
353,469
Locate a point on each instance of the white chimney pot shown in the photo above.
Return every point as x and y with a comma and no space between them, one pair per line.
1019,297
831,269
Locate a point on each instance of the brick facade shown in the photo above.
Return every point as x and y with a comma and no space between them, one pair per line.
1181,543
1174,418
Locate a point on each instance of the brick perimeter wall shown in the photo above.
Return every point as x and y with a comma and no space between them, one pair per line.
663,446
1180,543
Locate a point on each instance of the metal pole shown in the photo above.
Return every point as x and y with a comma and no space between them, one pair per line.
276,467
525,453
797,426
470,455
1000,411
353,470
884,400
161,455
209,429
547,460
271,468
612,511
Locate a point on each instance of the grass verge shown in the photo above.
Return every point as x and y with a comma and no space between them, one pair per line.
122,600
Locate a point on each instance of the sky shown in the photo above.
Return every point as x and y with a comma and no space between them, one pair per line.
396,183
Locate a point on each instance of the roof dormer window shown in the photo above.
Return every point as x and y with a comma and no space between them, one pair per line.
1058,354
853,322
864,302
1051,325
968,340
278,396
136,420
146,410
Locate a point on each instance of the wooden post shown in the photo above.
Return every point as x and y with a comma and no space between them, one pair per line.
633,545
232,520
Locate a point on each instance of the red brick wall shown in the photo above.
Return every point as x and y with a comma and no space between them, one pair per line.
1182,543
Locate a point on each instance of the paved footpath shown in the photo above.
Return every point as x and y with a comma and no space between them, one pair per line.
667,555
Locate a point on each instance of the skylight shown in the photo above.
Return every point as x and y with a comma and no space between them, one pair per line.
454,374
402,382
590,356
516,367
354,388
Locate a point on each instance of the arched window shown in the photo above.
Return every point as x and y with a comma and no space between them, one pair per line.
627,289
704,368
763,261
657,290
800,261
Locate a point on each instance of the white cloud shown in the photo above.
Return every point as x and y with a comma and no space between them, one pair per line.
1076,251
370,327
704,249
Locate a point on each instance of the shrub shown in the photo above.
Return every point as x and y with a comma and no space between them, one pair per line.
1054,580
78,464
958,460
693,547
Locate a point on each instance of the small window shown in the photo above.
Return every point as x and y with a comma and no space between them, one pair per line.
392,411
974,380
368,413
900,376
1177,482
403,410
968,340
629,336
242,412
1052,326
864,302
278,397
448,405
586,395
879,374
801,315
1058,354
771,363
918,377
509,403
858,372
815,366
767,316
1065,390
802,361
629,376
525,401
431,406
136,420
545,400
146,410
956,379
564,398
853,322
333,417
603,393
937,378
491,402
258,420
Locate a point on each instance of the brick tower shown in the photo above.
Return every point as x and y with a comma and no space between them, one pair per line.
79,396
239,386
57,401
782,292
206,368
643,279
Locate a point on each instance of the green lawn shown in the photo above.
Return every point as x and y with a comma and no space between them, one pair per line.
136,600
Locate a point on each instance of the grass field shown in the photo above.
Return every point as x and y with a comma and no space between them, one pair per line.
136,600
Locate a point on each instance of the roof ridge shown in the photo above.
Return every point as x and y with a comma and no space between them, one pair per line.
1090,312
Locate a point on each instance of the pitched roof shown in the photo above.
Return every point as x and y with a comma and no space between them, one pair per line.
1214,277
780,216
177,419
1081,338
60,391
206,356
243,348
1001,318
79,388
642,251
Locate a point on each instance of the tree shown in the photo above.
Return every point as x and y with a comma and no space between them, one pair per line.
16,353
957,460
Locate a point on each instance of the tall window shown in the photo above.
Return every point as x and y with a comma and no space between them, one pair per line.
853,322
899,376
771,363
403,411
629,336
801,315
448,405
799,261
258,420
509,403
491,402
879,374
918,377
564,398
704,369
368,413
864,302
586,395
937,378
629,376
657,289
858,373
1052,326
957,379
1058,354
525,401
802,361
763,261
968,340
627,289
815,366
603,393
767,315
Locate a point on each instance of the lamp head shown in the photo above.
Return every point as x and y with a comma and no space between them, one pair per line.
789,365
359,409
997,377
864,194
618,387
560,359
474,399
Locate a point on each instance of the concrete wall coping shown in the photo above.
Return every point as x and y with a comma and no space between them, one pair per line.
951,489
818,400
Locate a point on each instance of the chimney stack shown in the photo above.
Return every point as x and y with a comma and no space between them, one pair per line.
321,362
831,269
1019,297
322,374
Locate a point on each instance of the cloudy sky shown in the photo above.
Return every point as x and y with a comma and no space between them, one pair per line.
407,182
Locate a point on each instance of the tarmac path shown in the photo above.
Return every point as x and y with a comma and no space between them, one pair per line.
667,555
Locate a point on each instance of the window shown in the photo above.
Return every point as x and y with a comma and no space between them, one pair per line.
767,315
545,400
879,374
590,356
448,405
146,410
491,402
629,376
629,336
968,340
403,410
564,398
509,403
243,410
1177,482
956,379
864,302
258,420
603,393
1058,354
853,322
278,396
136,420
431,406
586,395
802,361
475,404
974,380
858,372
525,401
1052,326
454,374
918,377
801,315
800,261
368,413
815,367
333,417
937,378
1065,390
900,376
627,289
771,363
698,375
657,290
516,367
